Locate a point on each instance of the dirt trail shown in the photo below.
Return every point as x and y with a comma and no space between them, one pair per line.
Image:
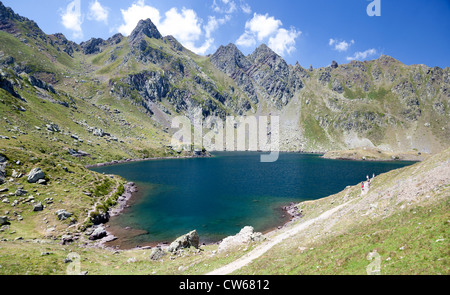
266,246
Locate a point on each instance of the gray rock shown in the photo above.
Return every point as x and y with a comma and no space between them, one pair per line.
3,162
157,254
98,233
66,239
144,28
20,192
4,220
52,127
92,46
186,241
334,64
38,207
35,175
63,214
244,237
98,132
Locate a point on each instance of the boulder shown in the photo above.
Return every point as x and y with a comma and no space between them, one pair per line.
186,241
20,192
98,233
334,64
244,237
66,239
38,207
3,161
100,218
63,214
157,254
4,220
35,175
98,132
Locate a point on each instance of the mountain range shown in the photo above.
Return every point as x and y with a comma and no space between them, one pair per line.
380,103
65,106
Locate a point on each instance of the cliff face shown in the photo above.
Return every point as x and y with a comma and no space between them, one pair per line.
379,103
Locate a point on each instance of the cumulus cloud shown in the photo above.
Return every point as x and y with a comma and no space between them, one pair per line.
284,41
362,54
136,12
72,19
266,28
340,46
214,23
184,25
246,8
97,12
224,6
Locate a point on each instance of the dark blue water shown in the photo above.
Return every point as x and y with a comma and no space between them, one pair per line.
218,196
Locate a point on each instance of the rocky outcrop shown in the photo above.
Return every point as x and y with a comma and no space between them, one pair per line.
41,84
6,85
188,240
144,28
3,162
98,233
62,44
243,238
263,69
4,220
157,253
63,214
92,46
35,175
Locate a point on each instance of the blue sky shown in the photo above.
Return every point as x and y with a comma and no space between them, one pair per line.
312,32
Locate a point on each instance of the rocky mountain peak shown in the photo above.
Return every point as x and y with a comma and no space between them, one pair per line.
262,53
144,28
8,19
229,58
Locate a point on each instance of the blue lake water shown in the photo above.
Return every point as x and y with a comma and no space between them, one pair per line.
218,196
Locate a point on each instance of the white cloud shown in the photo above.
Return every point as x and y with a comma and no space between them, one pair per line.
97,12
224,6
184,25
362,55
214,23
247,40
263,25
136,12
341,46
246,8
72,19
284,41
266,28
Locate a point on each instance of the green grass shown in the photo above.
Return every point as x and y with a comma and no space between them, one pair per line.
413,241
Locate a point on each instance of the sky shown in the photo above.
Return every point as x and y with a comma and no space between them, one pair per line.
311,32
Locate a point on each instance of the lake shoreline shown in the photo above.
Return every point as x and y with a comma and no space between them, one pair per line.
116,162
119,238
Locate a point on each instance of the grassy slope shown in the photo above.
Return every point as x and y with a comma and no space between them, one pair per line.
408,228
404,217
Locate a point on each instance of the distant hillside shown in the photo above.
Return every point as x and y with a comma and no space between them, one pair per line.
380,103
